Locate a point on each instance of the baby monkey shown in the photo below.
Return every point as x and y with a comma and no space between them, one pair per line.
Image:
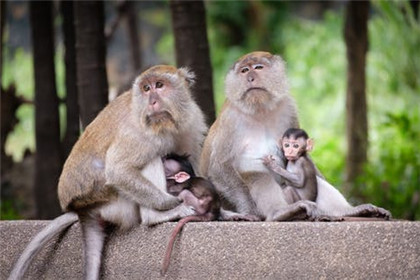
178,170
194,191
300,172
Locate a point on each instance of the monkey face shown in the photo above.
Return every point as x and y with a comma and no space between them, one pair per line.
293,148
159,94
256,81
200,203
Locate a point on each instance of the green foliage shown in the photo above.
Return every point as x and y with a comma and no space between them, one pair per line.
8,211
392,177
18,69
229,18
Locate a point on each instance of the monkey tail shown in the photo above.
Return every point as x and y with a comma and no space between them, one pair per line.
175,232
40,240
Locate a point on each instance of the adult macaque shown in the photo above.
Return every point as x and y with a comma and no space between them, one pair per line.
200,194
101,182
300,172
257,111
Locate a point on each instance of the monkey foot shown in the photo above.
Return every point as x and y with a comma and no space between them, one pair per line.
326,218
369,210
246,218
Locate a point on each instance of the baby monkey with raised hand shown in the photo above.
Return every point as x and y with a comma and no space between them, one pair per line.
300,172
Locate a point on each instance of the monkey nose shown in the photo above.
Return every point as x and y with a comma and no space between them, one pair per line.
152,101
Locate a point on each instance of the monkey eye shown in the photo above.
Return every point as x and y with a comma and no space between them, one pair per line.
244,70
295,146
287,145
159,85
146,87
258,67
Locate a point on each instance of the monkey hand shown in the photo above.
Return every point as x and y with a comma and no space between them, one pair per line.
186,210
300,210
168,202
271,161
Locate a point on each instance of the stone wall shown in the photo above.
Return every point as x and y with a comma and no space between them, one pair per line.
231,250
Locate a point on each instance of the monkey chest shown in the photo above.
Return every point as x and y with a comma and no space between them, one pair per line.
253,148
292,167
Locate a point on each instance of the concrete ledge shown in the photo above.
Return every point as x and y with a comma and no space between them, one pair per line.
231,250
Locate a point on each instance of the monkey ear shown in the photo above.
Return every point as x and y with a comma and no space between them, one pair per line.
181,177
309,145
188,75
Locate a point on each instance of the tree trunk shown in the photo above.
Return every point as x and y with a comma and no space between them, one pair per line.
2,20
192,50
72,107
47,127
356,37
133,34
92,82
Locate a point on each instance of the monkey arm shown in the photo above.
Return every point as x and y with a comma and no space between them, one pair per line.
135,186
193,145
133,166
296,179
135,179
232,188
151,217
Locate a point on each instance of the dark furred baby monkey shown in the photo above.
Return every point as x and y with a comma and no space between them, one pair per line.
194,191
300,172
178,169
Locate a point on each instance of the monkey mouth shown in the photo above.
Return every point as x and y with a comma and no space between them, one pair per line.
291,158
160,120
255,90
256,95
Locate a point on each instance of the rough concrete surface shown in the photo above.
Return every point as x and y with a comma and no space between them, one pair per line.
231,250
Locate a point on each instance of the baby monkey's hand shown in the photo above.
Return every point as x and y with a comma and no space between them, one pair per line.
270,161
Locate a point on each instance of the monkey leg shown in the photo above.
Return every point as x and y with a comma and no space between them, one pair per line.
332,203
301,210
233,190
291,195
227,215
266,194
93,239
369,210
